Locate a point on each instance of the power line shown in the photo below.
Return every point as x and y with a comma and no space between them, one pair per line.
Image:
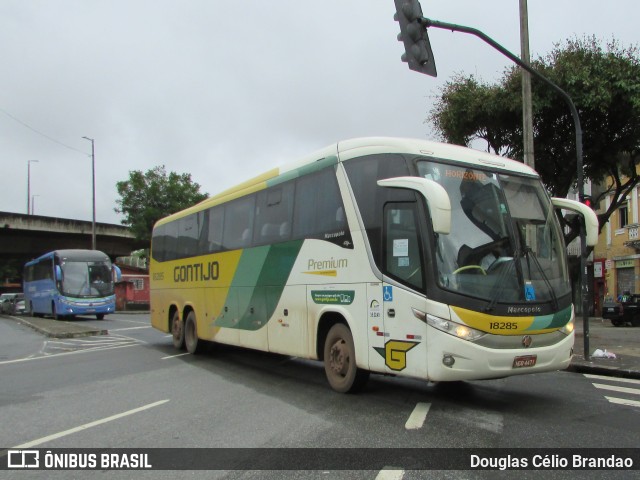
39,132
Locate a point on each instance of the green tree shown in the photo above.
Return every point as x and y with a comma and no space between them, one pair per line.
604,83
147,197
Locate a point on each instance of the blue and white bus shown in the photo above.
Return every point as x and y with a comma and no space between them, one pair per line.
65,283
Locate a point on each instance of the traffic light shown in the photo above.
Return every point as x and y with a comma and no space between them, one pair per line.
413,33
587,201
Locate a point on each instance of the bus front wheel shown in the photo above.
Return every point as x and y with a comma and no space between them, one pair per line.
191,340
54,312
100,316
340,361
177,331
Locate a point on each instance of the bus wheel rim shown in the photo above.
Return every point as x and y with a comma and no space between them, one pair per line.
339,358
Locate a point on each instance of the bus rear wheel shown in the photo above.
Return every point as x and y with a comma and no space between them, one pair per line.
340,361
191,340
177,331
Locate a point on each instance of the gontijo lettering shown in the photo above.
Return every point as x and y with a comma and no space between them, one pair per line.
196,272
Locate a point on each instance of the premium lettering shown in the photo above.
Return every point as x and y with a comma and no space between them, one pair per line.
327,264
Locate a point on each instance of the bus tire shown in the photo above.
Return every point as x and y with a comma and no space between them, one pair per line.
100,316
191,340
340,361
54,313
177,331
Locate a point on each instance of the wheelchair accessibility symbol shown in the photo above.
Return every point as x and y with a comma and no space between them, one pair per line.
387,293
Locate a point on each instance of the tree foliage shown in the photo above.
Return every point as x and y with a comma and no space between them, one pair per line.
603,82
147,197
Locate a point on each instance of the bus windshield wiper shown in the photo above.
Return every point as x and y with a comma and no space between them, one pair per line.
528,254
497,287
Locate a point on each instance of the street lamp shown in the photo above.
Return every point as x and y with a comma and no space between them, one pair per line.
29,183
93,189
33,203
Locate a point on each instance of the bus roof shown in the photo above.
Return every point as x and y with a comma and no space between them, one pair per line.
358,147
75,254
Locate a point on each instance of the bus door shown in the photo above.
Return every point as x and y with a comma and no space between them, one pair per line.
404,332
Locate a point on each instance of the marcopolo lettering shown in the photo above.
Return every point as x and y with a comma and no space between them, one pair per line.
197,272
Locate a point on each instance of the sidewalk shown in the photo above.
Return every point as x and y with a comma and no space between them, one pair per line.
624,342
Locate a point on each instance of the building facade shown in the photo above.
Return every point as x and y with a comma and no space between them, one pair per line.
616,264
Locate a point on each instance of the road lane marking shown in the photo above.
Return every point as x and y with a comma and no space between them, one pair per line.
612,379
418,416
623,401
174,356
128,328
64,354
387,474
633,391
55,436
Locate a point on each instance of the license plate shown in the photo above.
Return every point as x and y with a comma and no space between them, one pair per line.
610,310
91,310
525,361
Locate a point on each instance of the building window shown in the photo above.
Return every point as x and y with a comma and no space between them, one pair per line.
138,283
623,215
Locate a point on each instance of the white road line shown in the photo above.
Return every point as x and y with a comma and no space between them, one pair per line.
174,356
386,474
76,352
612,379
623,401
633,391
128,328
55,436
418,416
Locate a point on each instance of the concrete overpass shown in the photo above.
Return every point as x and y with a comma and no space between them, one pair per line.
23,237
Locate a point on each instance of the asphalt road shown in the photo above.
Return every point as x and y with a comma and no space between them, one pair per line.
131,389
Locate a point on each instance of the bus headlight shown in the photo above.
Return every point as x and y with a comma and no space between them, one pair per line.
456,329
568,328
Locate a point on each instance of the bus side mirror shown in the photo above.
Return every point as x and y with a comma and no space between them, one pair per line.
117,273
436,196
590,217
58,273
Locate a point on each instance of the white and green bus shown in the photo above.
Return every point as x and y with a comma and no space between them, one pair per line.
383,255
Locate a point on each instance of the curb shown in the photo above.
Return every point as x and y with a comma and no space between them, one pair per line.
60,329
605,371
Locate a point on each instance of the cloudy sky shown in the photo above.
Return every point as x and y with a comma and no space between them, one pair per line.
225,90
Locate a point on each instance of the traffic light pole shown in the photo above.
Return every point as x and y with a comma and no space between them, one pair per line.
426,22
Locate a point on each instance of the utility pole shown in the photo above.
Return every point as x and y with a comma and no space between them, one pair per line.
29,185
93,190
527,115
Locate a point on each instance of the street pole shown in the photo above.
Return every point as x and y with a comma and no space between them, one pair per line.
93,192
29,184
527,109
580,174
33,204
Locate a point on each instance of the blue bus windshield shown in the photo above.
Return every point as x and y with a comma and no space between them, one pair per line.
86,279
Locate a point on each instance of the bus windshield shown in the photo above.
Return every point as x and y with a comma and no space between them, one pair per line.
86,279
505,243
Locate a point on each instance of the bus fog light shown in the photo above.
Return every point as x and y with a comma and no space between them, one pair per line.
448,360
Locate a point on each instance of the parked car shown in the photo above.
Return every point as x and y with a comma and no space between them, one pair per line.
12,303
19,304
6,302
625,311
